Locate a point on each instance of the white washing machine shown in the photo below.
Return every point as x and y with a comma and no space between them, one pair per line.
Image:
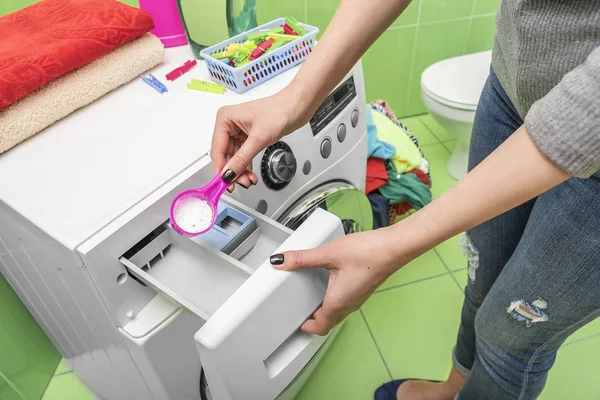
142,313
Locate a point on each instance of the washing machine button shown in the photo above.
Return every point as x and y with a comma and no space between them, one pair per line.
341,133
307,167
326,147
354,118
261,206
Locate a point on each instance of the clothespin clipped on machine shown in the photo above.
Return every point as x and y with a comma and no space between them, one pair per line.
154,83
177,72
205,86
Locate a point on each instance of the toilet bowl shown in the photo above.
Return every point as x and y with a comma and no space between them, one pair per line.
450,90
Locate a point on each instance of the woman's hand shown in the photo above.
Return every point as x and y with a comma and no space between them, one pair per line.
244,130
357,265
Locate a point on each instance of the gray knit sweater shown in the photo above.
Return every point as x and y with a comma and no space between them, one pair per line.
547,58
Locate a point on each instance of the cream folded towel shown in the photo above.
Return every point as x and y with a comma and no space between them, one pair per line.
61,97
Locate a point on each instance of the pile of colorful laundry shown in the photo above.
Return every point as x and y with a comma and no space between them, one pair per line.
398,178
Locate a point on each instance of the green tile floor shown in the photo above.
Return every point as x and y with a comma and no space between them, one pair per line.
408,327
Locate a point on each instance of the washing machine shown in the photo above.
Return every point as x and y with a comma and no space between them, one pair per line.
321,165
140,312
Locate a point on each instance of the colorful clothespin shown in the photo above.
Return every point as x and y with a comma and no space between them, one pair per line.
177,72
259,51
249,45
278,43
277,29
205,86
293,23
287,30
283,35
155,83
257,35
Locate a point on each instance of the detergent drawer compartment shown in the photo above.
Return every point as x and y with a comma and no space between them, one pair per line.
197,273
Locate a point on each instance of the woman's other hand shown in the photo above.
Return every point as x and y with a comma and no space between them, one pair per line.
357,265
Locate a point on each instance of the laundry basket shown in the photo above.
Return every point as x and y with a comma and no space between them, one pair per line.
263,68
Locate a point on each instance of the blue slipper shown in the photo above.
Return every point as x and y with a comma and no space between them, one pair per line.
388,391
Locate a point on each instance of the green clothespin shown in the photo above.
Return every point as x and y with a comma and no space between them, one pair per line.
257,35
249,44
293,23
277,29
205,86
240,59
284,36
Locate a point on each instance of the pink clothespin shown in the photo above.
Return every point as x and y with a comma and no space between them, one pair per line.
177,72
261,49
288,30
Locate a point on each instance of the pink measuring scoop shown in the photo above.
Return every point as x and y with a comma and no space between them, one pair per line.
210,193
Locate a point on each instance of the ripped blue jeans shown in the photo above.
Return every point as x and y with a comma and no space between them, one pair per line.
534,274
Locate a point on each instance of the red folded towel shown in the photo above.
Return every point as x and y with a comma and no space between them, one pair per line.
53,37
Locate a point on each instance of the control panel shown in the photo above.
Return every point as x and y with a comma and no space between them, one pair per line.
333,105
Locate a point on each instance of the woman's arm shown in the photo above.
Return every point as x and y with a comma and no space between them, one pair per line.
355,26
243,130
359,263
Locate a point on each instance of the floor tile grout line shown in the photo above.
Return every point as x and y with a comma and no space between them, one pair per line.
595,335
64,373
446,147
448,269
431,130
362,314
410,283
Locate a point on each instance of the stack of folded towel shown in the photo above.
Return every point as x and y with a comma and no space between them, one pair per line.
398,177
59,55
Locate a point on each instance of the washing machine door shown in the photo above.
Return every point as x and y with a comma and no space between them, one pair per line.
345,201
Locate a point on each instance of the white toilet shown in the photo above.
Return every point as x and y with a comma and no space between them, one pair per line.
450,90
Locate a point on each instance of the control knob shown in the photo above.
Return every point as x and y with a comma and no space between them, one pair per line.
282,166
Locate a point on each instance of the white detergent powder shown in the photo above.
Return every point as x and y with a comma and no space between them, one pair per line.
193,215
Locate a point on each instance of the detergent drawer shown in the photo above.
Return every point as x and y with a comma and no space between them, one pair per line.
196,275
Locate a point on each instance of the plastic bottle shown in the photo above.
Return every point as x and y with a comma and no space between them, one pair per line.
208,22
167,22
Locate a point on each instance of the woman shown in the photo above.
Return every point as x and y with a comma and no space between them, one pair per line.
530,203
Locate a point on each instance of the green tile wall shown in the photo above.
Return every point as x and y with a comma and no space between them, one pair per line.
427,32
27,358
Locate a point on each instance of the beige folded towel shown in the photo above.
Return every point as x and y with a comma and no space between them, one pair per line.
61,97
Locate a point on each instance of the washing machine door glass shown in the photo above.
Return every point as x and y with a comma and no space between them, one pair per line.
345,201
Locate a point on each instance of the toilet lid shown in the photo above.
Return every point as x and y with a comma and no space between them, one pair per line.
457,82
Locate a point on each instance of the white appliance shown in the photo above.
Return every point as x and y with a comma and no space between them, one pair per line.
142,313
450,90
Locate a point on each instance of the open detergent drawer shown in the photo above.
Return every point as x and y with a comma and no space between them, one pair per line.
250,346
195,273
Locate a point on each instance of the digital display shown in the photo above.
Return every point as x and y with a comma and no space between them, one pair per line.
332,106
340,93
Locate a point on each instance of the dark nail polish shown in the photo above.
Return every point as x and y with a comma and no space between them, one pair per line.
245,187
253,183
230,190
228,176
276,259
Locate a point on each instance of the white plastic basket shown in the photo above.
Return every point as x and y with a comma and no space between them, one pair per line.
263,68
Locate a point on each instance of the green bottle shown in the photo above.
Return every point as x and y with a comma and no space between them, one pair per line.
208,22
